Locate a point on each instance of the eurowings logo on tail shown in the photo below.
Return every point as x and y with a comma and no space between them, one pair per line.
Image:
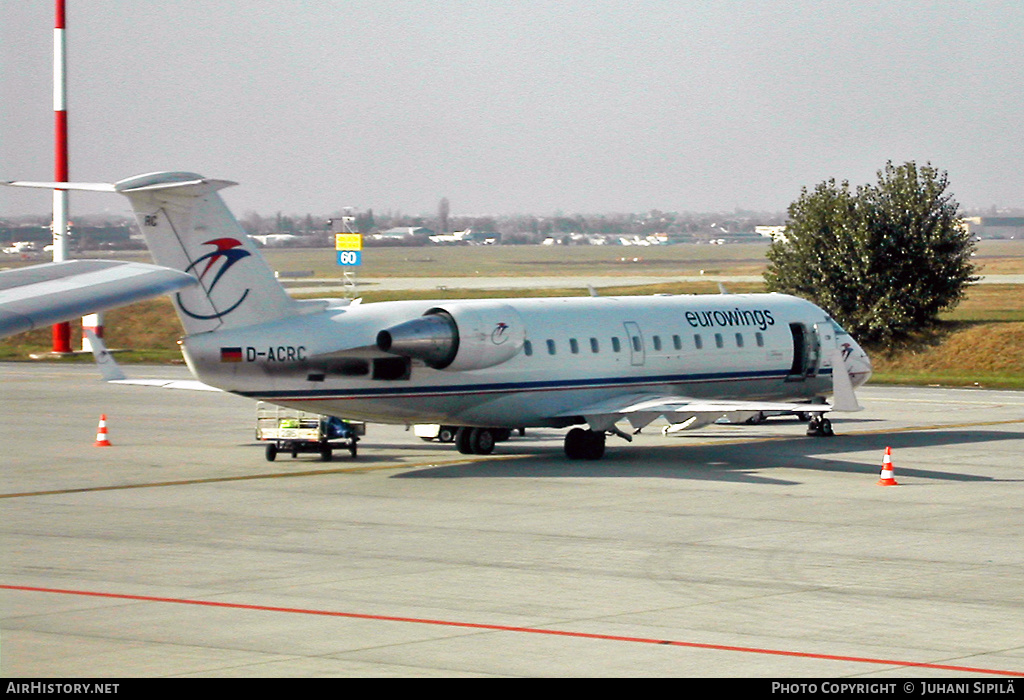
228,251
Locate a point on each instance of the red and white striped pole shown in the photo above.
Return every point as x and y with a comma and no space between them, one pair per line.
61,331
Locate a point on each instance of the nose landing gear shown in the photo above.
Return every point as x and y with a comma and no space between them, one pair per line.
819,426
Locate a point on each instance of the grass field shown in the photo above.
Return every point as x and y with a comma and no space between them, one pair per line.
519,261
993,257
980,343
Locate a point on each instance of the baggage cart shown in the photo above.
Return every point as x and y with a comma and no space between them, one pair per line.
294,431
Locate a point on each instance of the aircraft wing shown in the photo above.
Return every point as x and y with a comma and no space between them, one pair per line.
187,384
112,374
682,412
42,295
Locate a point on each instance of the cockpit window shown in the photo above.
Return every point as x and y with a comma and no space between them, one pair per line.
839,329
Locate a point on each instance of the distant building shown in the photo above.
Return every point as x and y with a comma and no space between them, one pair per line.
995,226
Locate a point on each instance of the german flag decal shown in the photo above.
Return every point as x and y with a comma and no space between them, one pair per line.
231,354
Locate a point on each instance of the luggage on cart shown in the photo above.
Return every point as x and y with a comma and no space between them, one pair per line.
294,431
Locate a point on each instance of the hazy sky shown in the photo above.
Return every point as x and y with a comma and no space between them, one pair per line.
515,106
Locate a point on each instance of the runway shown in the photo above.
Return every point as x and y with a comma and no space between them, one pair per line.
733,551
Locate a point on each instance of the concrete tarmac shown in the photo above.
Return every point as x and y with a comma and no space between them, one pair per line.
736,551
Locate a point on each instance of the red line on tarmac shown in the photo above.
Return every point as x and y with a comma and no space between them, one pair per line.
510,628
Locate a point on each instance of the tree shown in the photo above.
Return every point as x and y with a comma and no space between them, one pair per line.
884,260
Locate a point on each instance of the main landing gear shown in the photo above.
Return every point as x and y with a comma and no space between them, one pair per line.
819,426
584,444
475,441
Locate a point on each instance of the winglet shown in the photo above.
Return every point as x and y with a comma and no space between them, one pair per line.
109,369
843,396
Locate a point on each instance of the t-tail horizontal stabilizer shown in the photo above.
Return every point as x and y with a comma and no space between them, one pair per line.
188,228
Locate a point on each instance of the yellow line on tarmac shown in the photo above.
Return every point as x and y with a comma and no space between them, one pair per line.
249,477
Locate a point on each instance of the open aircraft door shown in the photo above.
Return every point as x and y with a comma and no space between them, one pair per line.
806,351
635,340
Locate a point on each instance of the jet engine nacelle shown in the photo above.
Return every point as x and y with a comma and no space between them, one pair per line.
458,337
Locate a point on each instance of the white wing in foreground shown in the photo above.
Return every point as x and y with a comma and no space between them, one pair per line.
187,384
683,413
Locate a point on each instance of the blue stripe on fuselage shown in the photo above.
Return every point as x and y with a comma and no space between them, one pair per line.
391,390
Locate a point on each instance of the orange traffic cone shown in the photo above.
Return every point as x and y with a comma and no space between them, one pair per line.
101,433
886,477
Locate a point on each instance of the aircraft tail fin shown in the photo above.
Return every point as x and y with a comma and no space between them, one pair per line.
188,227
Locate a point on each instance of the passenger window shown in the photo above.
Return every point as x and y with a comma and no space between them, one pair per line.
719,341
657,342
616,345
698,342
759,337
677,342
574,347
527,348
739,340
551,347
594,347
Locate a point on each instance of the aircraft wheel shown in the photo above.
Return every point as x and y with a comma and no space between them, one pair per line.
446,434
594,449
462,441
584,444
271,452
481,441
820,427
353,450
574,443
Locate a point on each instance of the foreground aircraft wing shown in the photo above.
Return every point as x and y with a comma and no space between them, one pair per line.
42,295
112,373
187,384
683,413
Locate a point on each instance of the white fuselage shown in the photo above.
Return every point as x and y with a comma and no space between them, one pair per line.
573,351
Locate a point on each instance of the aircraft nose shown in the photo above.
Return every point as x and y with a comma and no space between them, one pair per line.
859,366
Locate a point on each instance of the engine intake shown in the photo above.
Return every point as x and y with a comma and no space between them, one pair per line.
458,337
